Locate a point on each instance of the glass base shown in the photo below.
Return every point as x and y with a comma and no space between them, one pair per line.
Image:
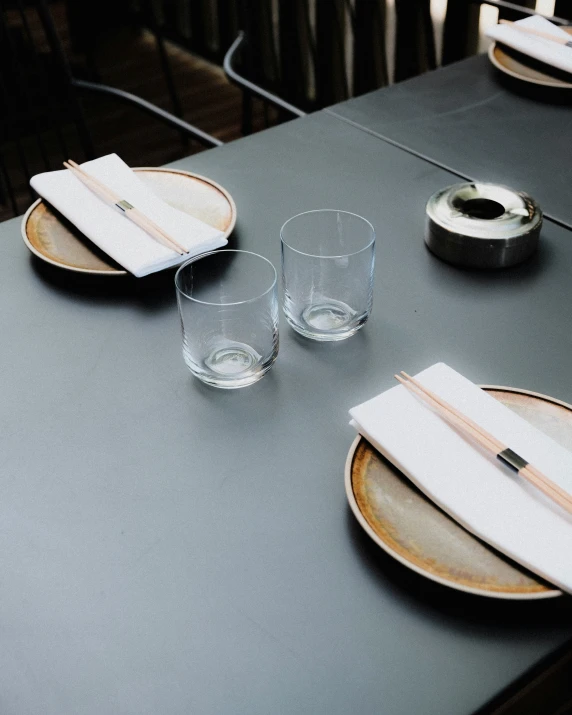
328,321
328,317
229,367
232,361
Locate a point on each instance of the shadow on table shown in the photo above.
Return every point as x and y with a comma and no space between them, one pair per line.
246,398
527,272
332,350
529,90
153,293
465,608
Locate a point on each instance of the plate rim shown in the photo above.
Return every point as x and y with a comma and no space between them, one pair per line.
540,596
555,84
98,272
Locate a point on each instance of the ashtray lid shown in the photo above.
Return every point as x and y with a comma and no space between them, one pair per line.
487,211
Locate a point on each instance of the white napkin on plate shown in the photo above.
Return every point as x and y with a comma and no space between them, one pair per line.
111,230
475,488
546,51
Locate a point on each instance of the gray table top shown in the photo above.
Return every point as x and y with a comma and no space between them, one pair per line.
170,548
470,118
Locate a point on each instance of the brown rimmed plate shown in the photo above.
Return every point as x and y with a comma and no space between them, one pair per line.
55,240
409,527
528,70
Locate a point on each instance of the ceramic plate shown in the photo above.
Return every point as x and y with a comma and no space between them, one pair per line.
55,240
516,65
400,519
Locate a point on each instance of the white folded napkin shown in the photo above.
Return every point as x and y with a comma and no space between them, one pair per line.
111,230
475,488
546,51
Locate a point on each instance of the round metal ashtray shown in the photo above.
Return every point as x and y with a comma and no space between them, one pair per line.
482,225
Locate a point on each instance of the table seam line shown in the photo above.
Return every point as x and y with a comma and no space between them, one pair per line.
424,157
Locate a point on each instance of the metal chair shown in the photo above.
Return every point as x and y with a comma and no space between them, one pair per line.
317,47
305,66
414,39
43,121
251,89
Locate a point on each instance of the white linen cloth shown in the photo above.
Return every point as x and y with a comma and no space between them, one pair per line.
539,48
111,230
474,487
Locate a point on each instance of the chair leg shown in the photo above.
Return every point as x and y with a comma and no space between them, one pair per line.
165,64
8,185
246,113
562,9
414,39
265,109
59,54
460,32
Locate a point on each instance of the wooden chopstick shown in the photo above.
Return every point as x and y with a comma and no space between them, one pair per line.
139,218
538,33
528,471
135,215
131,212
465,424
496,444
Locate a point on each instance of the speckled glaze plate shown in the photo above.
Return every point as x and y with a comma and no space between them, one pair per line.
406,524
55,240
515,66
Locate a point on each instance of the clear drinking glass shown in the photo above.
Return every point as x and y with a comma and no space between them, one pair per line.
229,316
327,273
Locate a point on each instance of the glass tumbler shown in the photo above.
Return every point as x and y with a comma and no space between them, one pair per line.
327,273
229,316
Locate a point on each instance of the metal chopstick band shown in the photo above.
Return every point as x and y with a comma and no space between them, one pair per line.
512,459
123,205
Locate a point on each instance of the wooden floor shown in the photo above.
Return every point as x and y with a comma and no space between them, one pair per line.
128,59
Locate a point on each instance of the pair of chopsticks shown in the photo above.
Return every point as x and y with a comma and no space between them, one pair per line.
538,33
139,218
488,441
